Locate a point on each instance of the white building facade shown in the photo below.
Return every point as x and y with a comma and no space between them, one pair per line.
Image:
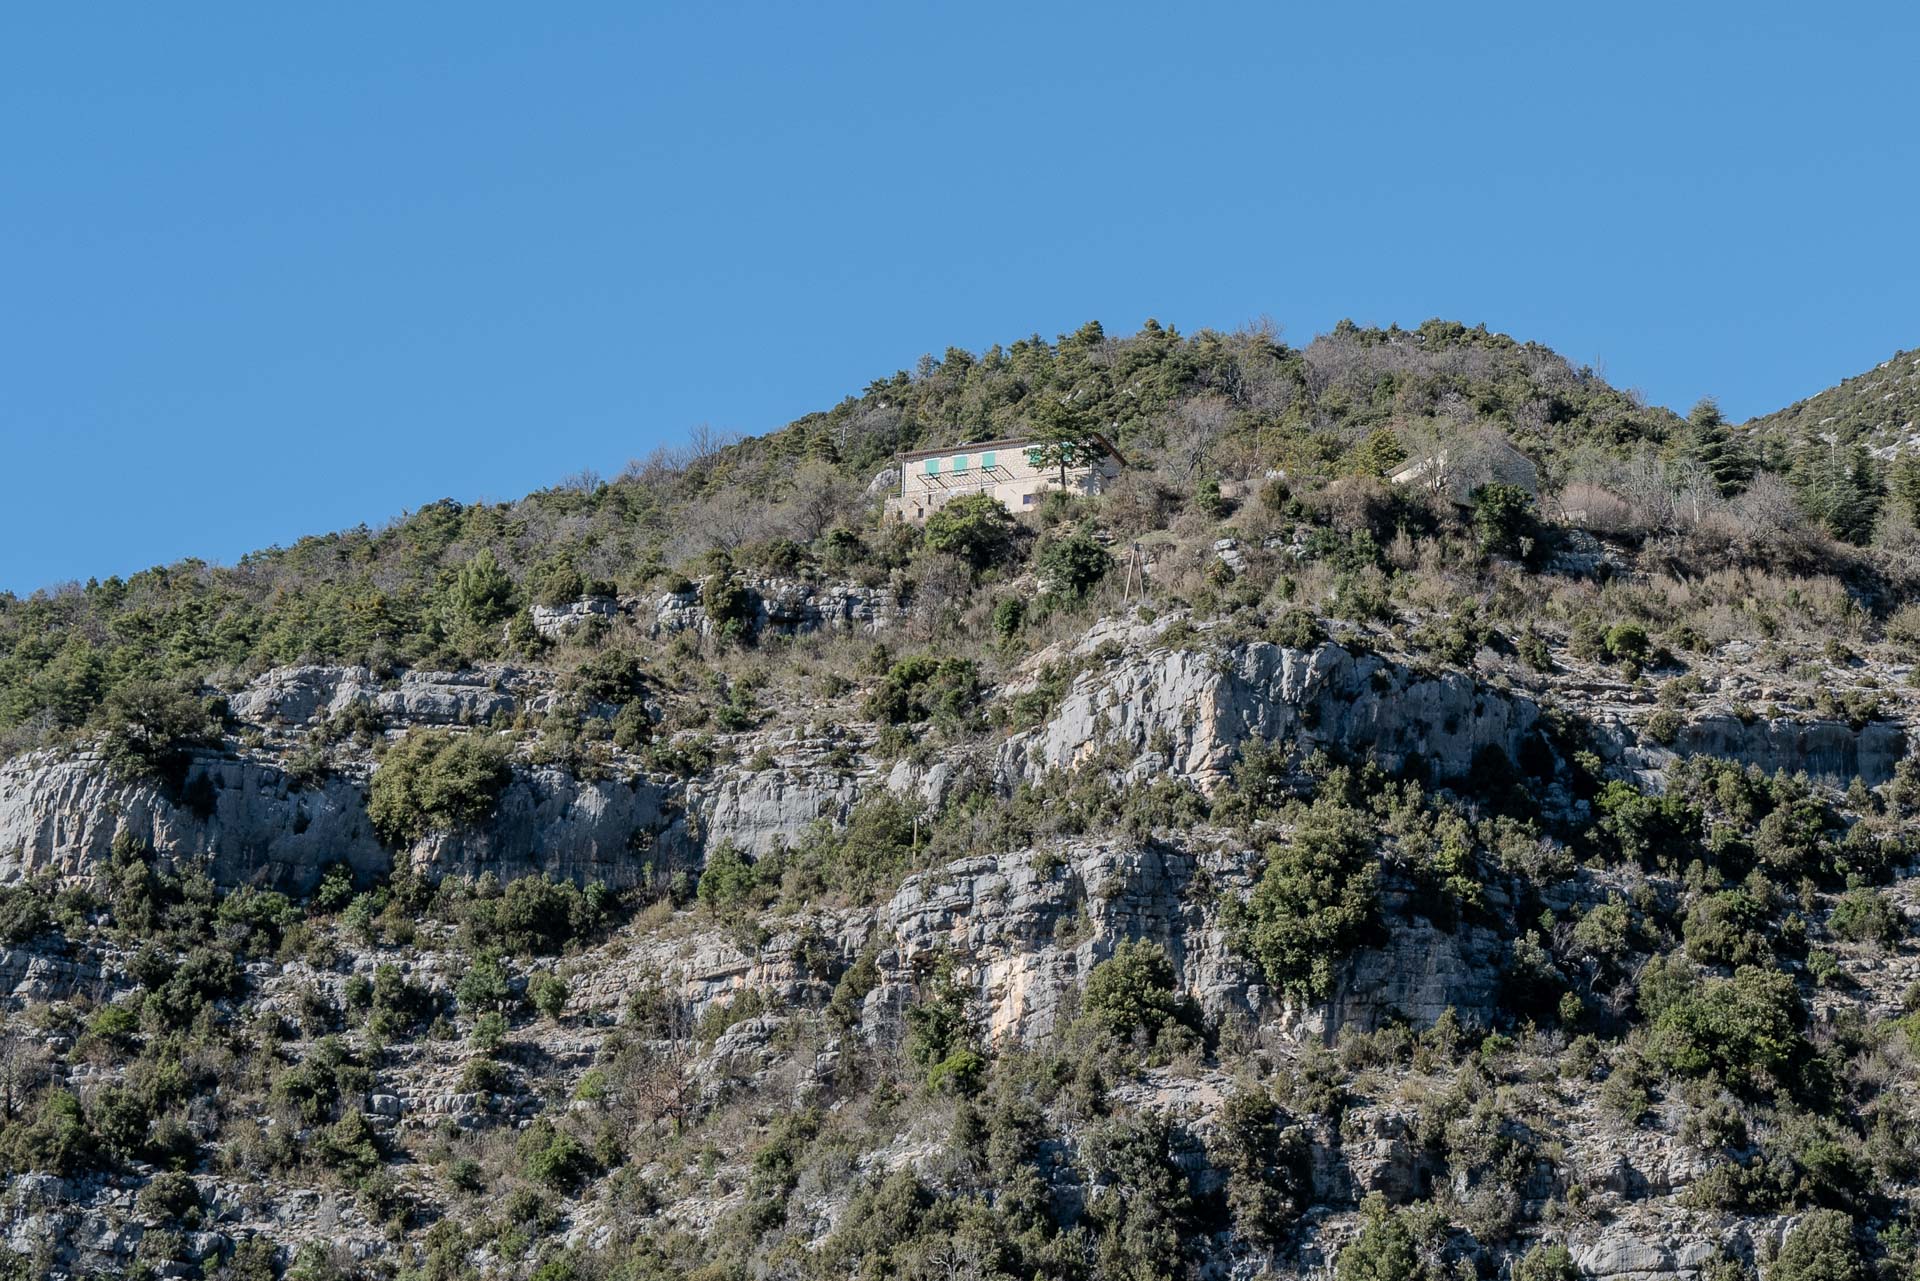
1007,469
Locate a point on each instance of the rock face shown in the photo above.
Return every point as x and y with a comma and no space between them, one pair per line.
556,622
1031,924
1190,711
249,821
28,975
251,824
1831,750
788,605
1619,1256
300,696
759,811
1417,974
550,823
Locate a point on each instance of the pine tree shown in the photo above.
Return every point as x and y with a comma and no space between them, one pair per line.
1061,438
1377,455
482,591
1840,487
1903,485
1708,447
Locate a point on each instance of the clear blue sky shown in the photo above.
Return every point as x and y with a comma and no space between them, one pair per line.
268,270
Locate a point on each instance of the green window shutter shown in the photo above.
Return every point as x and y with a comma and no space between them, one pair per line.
933,466
986,461
960,463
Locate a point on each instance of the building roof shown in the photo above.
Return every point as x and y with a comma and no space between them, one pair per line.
1003,442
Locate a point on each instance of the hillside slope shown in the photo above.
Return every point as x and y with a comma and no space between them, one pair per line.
1261,869
1880,408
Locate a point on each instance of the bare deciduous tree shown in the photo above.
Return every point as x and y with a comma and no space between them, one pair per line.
1195,427
704,443
24,1068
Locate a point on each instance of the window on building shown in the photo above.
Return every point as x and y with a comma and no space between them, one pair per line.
933,466
960,463
986,461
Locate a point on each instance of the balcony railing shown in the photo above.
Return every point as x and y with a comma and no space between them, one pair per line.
959,482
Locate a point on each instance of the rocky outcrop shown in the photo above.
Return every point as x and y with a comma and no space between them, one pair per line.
30,975
249,822
762,810
1415,975
557,622
1621,1256
1830,750
1383,1154
1188,711
302,696
621,832
1028,926
788,605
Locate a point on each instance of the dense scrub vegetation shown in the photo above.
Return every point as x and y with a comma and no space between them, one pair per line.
449,584
1671,965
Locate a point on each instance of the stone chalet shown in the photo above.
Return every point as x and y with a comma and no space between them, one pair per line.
931,478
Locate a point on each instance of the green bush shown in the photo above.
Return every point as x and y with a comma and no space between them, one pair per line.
482,594
939,1029
1821,1247
56,1139
560,583
729,605
1072,566
25,913
335,890
1745,1031
396,1005
554,1157
1727,928
149,727
1628,643
1148,1211
1268,1170
1867,916
533,915
1207,500
1546,1263
349,1147
923,687
314,1087
1009,616
253,921
549,993
490,1032
961,1072
614,676
1298,628
435,781
1133,991
485,985
728,881
857,864
1315,899
1661,830
1384,1250
169,1194
1503,519
977,528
